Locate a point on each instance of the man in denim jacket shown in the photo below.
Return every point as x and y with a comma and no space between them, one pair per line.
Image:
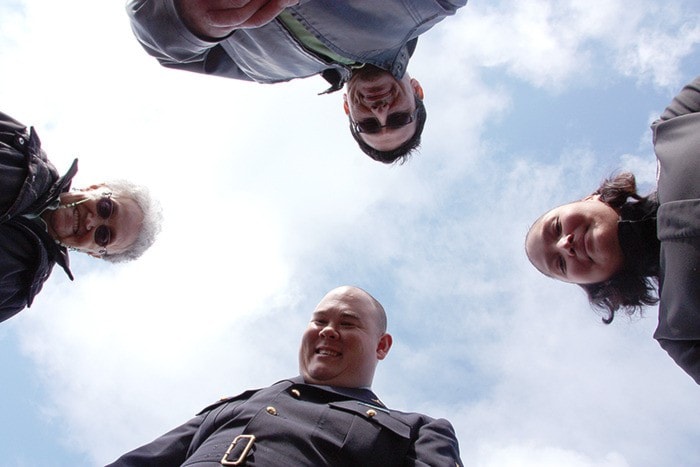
362,44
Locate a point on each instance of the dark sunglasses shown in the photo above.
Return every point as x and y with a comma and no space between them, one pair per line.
105,209
393,121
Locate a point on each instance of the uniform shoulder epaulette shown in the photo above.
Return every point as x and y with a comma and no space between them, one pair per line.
227,399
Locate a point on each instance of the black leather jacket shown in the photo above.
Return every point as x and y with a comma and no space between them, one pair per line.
30,183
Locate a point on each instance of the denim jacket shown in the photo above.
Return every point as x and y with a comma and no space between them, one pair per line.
380,33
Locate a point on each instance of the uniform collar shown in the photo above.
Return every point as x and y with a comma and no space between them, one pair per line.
362,394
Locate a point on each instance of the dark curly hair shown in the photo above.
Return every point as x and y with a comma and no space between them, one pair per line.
402,153
635,285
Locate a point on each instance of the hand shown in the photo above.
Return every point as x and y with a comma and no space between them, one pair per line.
216,19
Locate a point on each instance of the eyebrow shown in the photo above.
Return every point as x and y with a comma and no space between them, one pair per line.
553,267
551,261
555,271
547,227
319,314
406,111
547,235
343,314
113,236
388,130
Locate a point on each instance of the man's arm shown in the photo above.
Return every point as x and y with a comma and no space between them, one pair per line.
18,261
185,34
217,19
686,102
436,444
677,147
679,306
13,163
686,354
170,449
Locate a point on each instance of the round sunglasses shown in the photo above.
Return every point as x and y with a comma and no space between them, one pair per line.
393,121
105,209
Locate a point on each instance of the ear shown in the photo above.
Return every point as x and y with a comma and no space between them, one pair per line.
417,88
383,346
345,104
591,197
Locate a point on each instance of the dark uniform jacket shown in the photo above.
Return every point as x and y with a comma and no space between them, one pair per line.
29,184
295,424
380,33
677,147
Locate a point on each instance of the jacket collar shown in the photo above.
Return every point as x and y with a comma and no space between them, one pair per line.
362,394
62,185
338,77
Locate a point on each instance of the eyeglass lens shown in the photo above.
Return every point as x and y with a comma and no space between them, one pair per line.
395,120
105,209
103,235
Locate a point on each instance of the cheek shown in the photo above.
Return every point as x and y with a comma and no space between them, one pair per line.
306,339
86,238
570,221
365,349
581,273
613,264
610,246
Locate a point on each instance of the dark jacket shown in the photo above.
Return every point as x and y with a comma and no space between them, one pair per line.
30,183
380,33
296,424
677,147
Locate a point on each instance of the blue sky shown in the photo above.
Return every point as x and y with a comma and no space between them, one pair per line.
269,204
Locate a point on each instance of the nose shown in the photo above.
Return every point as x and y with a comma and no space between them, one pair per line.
329,332
380,109
92,220
565,244
379,104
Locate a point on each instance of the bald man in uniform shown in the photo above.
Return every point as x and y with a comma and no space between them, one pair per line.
326,416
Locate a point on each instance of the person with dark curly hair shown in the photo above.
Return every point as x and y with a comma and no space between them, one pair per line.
628,251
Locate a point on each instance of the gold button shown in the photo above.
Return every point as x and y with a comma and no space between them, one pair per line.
371,413
296,393
271,410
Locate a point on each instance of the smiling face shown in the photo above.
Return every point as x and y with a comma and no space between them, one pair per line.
75,226
344,340
373,93
576,242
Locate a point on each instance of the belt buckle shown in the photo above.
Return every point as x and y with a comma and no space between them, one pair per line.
241,459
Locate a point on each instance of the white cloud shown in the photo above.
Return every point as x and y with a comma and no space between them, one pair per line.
554,44
525,455
655,51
